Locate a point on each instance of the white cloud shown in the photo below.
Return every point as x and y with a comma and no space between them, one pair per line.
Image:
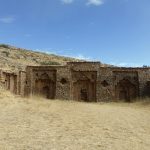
67,1
95,2
61,53
88,2
7,19
125,64
82,57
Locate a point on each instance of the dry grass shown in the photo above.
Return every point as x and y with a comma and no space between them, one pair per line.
12,58
39,124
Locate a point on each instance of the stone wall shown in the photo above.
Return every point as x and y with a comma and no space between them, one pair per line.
21,83
106,84
9,81
84,70
144,78
2,79
112,76
13,83
82,81
63,83
41,81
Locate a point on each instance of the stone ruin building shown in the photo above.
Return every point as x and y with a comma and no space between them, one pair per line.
80,81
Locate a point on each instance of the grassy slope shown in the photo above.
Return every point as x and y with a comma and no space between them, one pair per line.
42,124
16,58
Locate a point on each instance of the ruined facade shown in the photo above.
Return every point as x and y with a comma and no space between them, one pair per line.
81,81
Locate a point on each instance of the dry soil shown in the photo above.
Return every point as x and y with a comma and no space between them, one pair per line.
40,124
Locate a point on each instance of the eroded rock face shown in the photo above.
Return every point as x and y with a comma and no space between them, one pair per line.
81,81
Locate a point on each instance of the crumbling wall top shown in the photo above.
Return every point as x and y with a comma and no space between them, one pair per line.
84,62
127,68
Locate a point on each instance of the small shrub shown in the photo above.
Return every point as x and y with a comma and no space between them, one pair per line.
6,53
4,45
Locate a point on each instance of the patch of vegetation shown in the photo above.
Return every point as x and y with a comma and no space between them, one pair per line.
4,45
6,53
34,59
48,63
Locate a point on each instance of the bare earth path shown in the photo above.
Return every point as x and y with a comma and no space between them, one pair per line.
40,124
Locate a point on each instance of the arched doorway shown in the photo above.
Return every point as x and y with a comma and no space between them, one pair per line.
84,94
147,89
45,87
84,90
125,90
123,94
45,92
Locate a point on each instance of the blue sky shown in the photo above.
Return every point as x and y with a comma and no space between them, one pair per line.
111,31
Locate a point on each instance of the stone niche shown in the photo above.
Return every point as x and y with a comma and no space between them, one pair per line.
44,83
7,81
13,83
147,89
126,85
84,85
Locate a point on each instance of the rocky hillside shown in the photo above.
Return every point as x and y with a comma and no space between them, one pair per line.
12,58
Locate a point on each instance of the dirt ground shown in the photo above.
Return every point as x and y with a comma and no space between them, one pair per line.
40,124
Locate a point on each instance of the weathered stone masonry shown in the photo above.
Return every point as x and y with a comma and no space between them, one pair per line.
81,81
